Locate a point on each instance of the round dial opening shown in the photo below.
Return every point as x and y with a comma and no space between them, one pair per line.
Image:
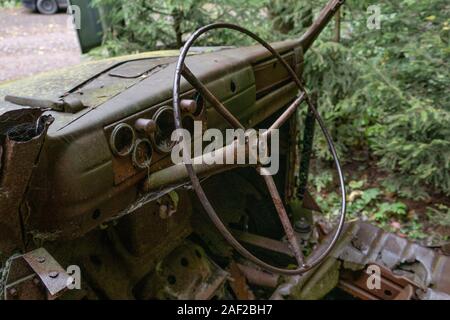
142,153
164,127
122,139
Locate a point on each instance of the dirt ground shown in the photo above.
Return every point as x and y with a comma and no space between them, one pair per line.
31,43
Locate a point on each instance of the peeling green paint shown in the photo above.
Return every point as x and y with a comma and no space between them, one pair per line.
320,283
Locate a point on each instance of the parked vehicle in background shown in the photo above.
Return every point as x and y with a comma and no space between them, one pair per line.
46,6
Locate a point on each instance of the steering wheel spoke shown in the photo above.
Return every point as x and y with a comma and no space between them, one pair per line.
211,98
285,222
288,112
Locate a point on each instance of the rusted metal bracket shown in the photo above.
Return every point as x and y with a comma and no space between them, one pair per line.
259,277
391,287
238,283
186,273
23,133
35,275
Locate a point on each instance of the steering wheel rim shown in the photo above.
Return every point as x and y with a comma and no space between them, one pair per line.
180,70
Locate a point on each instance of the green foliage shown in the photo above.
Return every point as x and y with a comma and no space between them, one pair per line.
374,205
386,92
439,215
149,24
141,25
387,209
322,180
414,230
9,3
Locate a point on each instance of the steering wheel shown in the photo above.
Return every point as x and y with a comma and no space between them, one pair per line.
183,70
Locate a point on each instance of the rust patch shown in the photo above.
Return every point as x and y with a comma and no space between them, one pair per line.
22,132
238,283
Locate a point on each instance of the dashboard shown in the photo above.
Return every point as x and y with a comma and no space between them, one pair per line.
92,169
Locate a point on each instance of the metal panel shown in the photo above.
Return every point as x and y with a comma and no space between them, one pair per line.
90,33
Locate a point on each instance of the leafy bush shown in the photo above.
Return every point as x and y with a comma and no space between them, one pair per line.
387,91
149,25
439,215
9,3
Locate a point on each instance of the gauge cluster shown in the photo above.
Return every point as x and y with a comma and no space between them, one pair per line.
143,141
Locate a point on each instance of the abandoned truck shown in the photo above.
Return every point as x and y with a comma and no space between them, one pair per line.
93,207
